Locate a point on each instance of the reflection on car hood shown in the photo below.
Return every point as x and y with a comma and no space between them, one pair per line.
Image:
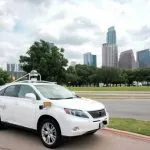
79,103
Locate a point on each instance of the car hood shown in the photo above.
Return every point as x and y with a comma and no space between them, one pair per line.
79,103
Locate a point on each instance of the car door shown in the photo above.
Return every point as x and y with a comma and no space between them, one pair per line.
1,102
7,103
26,109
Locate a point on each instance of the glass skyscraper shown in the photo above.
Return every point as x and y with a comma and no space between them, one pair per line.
90,59
111,36
110,49
94,61
143,58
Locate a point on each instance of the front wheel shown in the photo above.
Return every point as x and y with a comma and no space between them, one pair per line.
50,133
1,125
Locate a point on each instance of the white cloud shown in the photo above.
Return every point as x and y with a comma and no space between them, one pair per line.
78,26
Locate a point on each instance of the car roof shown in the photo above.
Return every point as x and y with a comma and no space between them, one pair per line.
28,82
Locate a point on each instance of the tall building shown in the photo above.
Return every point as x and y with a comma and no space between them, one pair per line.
111,36
143,58
90,59
109,55
15,70
94,61
127,60
110,50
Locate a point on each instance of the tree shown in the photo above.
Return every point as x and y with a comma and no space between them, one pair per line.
108,75
72,79
81,75
83,72
4,77
131,76
47,59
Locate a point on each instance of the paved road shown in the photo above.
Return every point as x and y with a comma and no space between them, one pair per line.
137,109
115,94
129,104
14,139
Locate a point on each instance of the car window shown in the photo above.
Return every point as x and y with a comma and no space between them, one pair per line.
24,89
12,91
1,92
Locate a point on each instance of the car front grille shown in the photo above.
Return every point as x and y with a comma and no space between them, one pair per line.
97,113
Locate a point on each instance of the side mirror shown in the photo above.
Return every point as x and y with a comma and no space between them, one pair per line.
30,96
75,94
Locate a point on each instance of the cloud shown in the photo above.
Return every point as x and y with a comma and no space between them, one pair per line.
60,15
70,54
7,23
65,38
122,1
72,39
78,26
81,23
8,53
140,35
122,42
7,20
35,2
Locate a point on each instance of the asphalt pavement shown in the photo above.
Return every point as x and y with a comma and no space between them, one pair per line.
14,139
123,104
136,109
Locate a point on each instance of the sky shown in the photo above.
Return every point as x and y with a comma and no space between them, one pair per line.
79,26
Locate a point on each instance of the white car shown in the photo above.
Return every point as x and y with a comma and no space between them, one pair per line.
51,109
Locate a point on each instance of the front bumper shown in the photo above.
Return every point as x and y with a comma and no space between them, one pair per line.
76,126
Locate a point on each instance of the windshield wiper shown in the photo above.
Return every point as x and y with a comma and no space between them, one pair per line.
69,98
61,98
54,98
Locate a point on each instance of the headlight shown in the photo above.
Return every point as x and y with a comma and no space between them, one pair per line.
77,113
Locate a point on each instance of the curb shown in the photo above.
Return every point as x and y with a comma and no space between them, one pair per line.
129,134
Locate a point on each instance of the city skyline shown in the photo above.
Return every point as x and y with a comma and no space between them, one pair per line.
112,45
70,24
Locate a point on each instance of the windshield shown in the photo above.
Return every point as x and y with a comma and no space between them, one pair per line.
55,92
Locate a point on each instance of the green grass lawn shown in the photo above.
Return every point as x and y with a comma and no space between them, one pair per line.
131,125
144,88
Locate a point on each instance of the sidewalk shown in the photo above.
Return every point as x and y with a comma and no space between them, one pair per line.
13,139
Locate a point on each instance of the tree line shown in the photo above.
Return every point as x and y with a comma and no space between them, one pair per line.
82,75
50,62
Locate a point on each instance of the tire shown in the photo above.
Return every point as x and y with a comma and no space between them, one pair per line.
50,133
1,125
